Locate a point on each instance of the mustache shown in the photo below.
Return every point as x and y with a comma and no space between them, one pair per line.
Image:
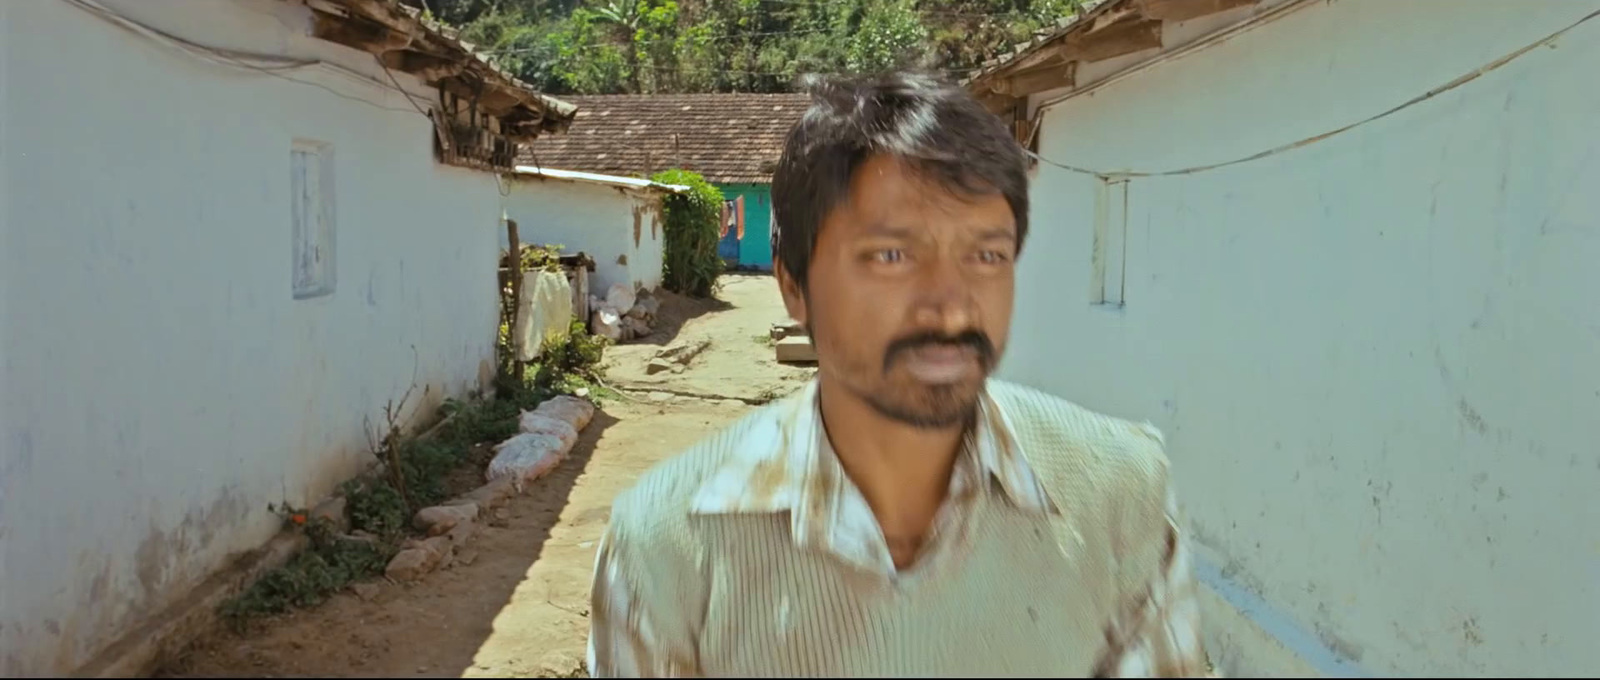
973,339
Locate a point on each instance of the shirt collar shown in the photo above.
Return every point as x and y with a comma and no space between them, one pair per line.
779,462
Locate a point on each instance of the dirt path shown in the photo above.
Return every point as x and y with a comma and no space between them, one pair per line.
516,603
739,362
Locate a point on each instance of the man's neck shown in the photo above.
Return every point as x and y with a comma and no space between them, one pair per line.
901,470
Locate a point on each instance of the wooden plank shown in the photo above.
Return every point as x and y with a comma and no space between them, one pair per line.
1039,80
1184,10
427,67
362,35
1118,39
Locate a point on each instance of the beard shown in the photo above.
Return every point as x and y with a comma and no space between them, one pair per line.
921,405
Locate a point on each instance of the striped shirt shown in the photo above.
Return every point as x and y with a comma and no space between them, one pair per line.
782,568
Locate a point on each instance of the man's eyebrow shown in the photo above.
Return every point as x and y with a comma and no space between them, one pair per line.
1007,233
885,230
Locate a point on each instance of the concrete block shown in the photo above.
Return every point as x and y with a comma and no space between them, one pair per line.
796,349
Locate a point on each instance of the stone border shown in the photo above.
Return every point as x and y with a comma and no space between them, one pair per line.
452,524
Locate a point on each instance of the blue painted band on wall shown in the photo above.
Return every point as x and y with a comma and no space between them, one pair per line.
1277,623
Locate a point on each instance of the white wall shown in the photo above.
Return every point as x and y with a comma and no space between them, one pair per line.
1377,357
595,219
160,384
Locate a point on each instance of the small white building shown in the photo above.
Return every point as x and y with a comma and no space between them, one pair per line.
615,220
1346,254
230,233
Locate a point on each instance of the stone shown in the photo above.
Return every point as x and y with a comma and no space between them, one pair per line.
620,297
332,510
412,564
637,326
652,306
660,396
491,495
442,518
466,559
787,328
796,349
638,311
658,365
683,352
576,411
366,591
462,533
677,368
606,323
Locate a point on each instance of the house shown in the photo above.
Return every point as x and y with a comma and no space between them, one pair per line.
615,220
1344,255
733,140
231,234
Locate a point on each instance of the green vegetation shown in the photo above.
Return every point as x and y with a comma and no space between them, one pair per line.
651,46
379,506
690,263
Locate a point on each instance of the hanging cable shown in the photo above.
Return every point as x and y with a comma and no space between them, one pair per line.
266,64
1430,94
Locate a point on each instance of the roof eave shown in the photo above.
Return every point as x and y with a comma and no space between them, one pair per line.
1110,29
403,40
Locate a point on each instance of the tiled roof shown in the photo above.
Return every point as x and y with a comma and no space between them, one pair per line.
728,138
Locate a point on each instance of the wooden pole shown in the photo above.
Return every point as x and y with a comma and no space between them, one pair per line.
516,294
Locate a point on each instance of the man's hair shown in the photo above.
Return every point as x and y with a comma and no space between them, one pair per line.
937,129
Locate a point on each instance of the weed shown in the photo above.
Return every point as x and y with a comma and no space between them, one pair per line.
765,339
332,562
690,263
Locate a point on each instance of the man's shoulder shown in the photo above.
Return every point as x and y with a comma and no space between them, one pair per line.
1057,433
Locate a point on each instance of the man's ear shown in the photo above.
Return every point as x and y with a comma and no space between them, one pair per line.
794,299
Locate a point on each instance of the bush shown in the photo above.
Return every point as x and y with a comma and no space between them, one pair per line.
690,264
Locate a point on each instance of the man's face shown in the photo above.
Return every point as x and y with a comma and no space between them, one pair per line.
910,292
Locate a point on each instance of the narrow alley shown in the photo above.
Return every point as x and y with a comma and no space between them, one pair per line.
516,604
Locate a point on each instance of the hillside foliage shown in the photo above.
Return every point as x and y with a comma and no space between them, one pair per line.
660,46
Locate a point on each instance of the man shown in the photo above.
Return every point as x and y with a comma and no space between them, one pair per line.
902,515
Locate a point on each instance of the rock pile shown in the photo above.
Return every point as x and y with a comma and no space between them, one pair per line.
547,434
624,314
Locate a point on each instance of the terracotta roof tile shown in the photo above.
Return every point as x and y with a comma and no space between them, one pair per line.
728,138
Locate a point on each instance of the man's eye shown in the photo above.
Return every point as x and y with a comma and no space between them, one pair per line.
991,256
888,256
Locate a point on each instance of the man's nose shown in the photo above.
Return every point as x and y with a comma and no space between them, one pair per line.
944,297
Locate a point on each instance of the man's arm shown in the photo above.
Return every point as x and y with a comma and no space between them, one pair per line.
623,639
1162,639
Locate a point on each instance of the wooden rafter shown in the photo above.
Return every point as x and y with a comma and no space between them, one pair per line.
1116,28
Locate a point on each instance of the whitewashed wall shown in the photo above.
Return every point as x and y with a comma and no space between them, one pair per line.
161,385
1376,358
595,219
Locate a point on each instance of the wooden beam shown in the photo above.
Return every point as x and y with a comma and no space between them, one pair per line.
382,13
1126,37
1184,10
1047,55
996,103
1024,83
362,35
431,69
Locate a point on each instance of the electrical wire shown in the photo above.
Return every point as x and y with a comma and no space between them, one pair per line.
266,64
226,57
1430,94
